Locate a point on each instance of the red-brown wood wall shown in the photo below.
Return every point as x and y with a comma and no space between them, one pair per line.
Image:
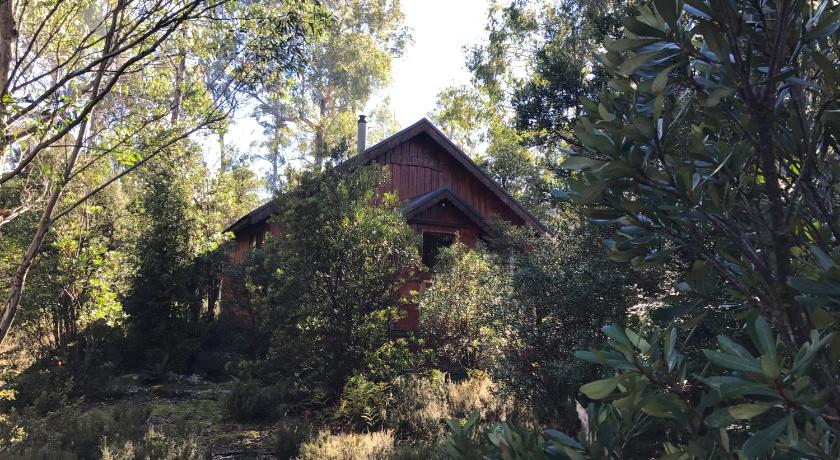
418,166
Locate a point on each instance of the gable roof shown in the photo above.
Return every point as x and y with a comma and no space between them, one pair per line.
422,126
427,200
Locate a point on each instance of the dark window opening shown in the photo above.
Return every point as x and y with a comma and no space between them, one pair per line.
432,244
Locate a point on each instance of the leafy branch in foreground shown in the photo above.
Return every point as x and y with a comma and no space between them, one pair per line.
753,401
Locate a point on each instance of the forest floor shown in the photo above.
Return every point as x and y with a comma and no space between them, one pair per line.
195,406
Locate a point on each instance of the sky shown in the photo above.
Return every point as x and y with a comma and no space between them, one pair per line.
433,62
436,59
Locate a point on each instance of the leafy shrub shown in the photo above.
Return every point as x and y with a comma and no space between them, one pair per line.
470,440
479,393
70,434
362,404
155,445
459,310
326,287
758,402
378,445
397,357
248,401
83,368
563,289
418,405
290,436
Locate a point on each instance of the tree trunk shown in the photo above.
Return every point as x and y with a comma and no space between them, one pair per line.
222,155
18,281
8,32
180,70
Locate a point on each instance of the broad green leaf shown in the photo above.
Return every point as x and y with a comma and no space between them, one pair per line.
641,29
668,9
734,362
730,346
810,286
828,24
770,367
637,340
627,44
616,333
832,74
581,163
562,438
661,80
765,439
748,411
599,389
763,337
717,95
727,415
629,66
824,261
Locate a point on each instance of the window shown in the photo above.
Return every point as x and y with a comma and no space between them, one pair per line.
432,243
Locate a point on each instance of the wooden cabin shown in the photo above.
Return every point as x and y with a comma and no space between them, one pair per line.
446,195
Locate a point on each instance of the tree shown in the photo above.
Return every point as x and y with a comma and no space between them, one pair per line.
312,109
563,70
79,277
699,171
460,312
67,108
328,284
562,289
716,144
159,300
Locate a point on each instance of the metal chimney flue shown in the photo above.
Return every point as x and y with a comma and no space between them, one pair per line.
360,138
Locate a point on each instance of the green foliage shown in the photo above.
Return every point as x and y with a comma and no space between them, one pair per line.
547,103
77,279
418,404
699,150
458,311
562,289
247,401
83,368
292,433
759,402
398,356
155,444
160,302
118,432
698,164
326,287
378,445
362,404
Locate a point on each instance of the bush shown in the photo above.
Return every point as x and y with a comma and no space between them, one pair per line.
155,445
247,401
458,312
418,405
325,289
563,289
378,445
362,404
397,357
118,432
757,400
291,434
478,393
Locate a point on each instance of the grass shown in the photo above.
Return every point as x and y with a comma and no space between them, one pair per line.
193,411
